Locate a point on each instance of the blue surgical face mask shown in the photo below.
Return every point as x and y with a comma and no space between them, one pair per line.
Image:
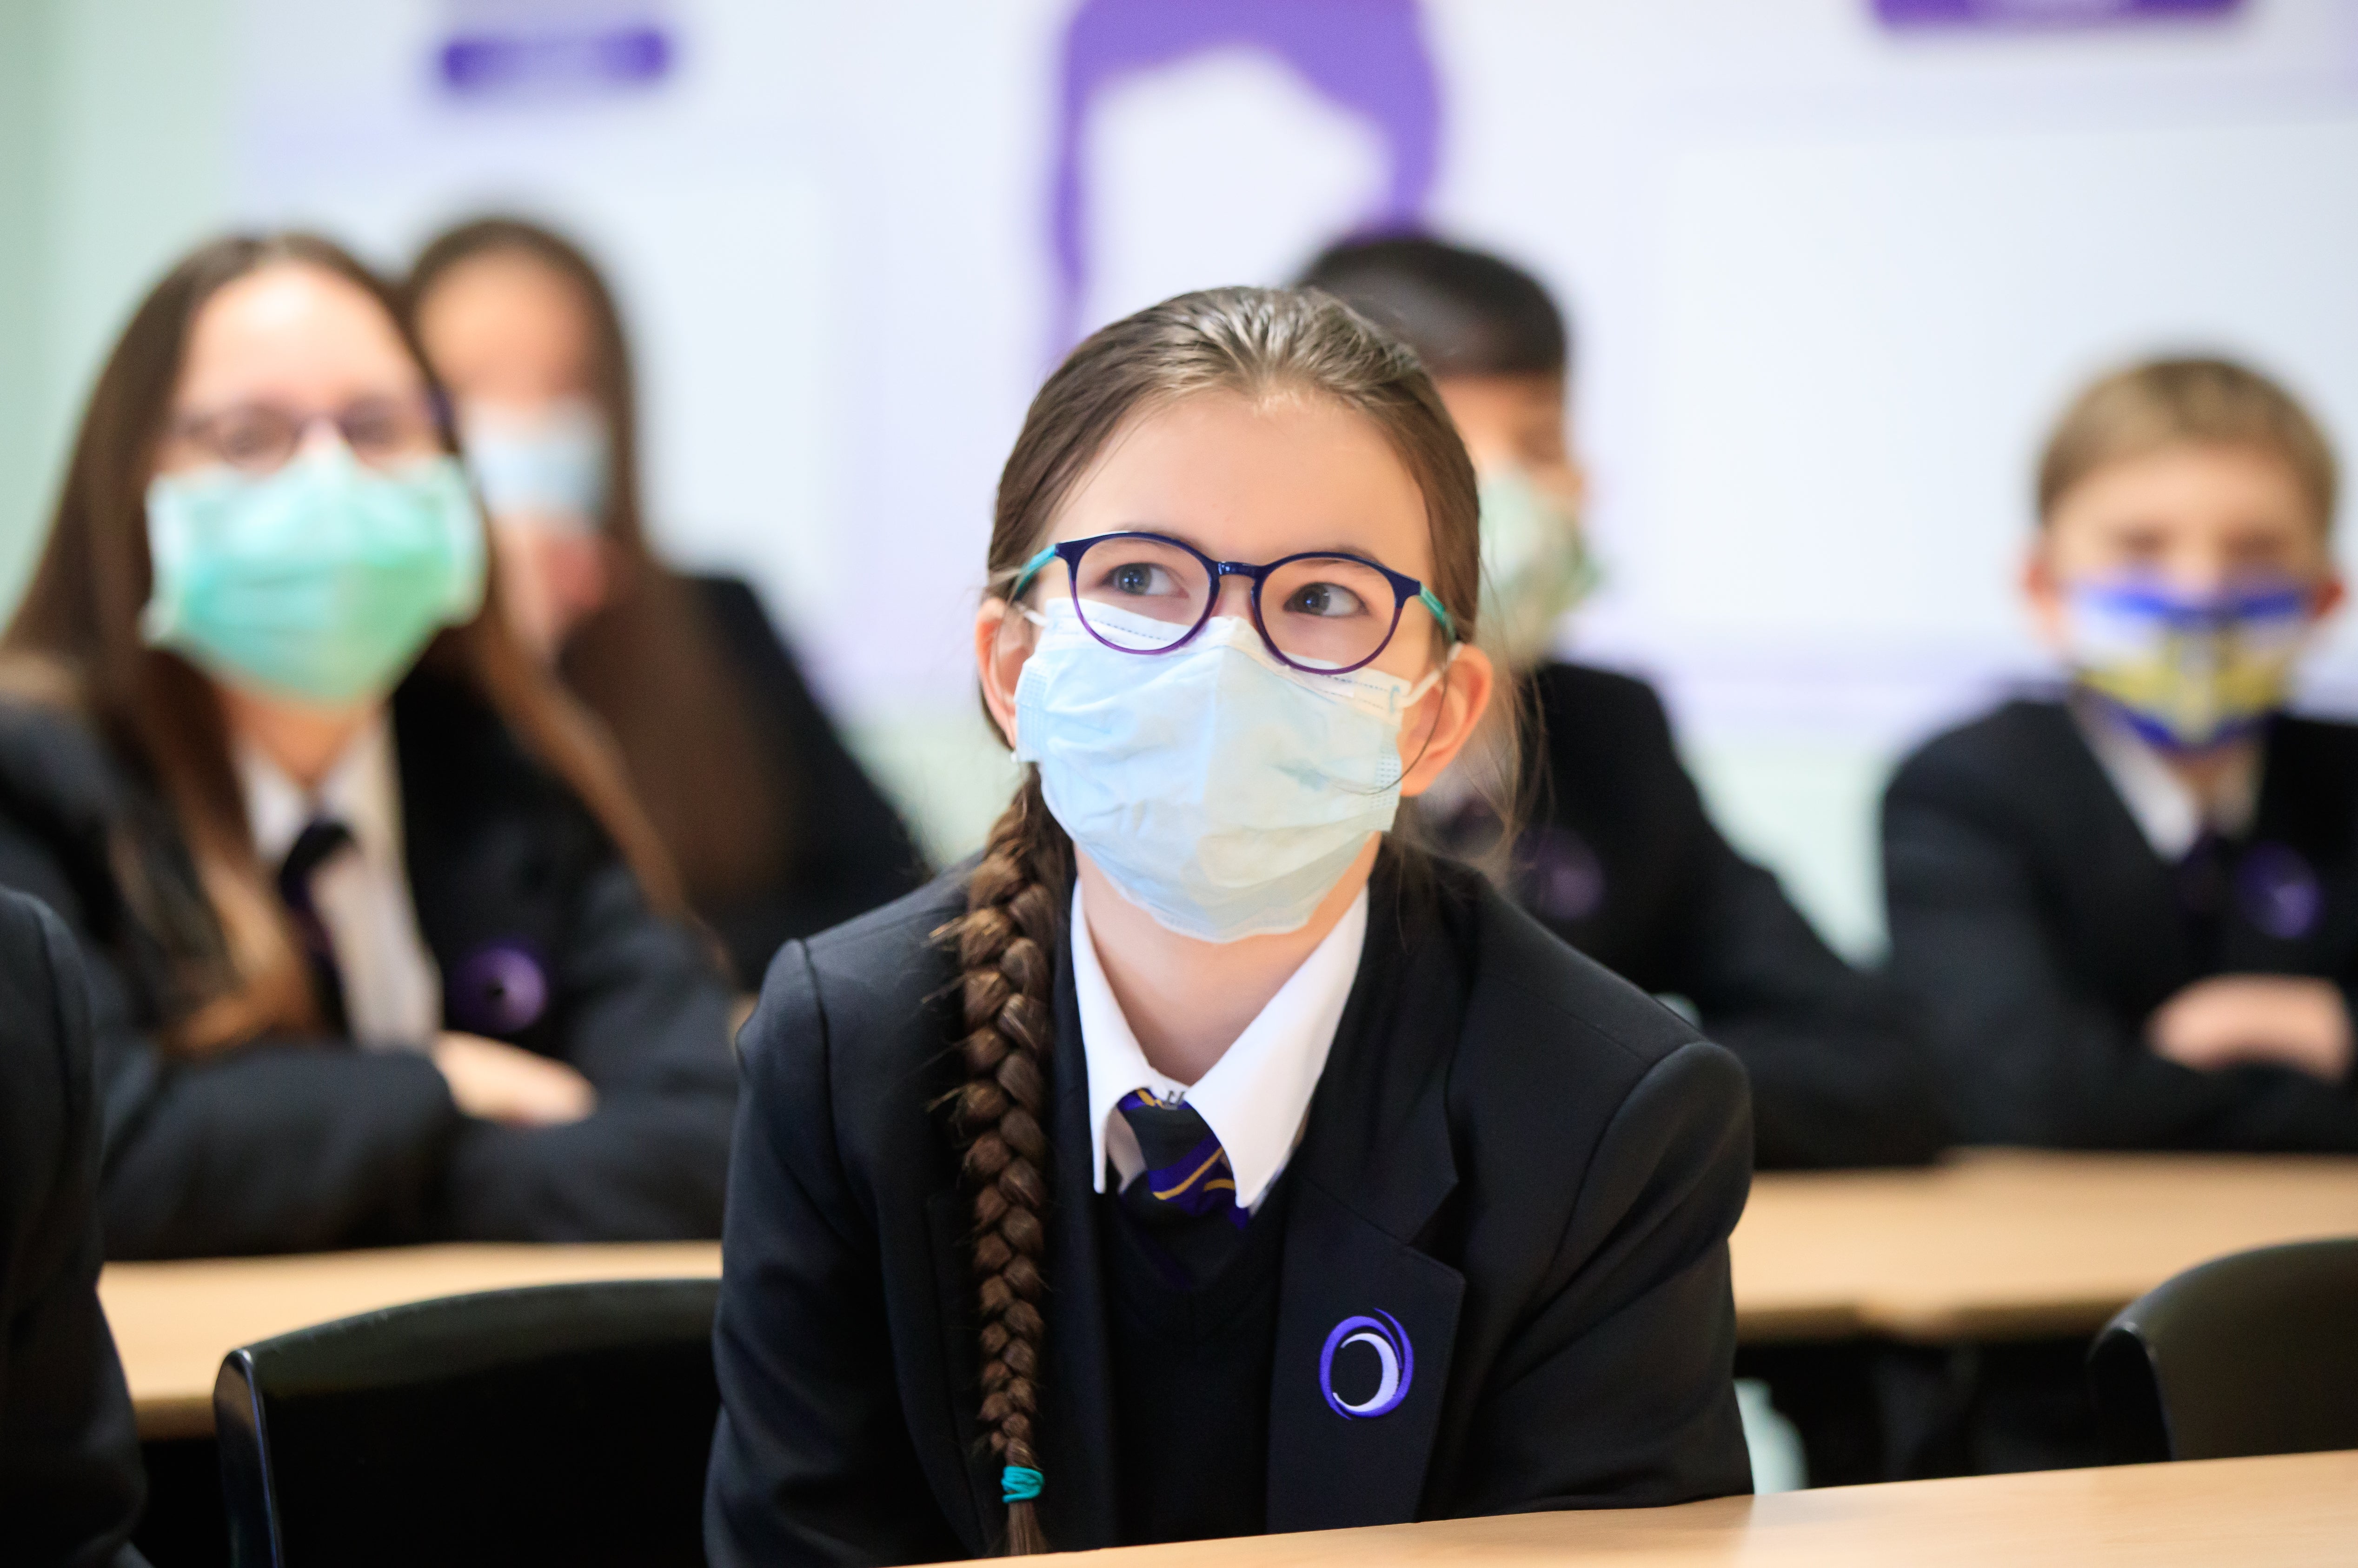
547,463
320,582
1535,565
1223,793
2188,671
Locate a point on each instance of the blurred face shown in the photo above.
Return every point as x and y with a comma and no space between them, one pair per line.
2198,520
1253,482
511,337
293,352
1518,422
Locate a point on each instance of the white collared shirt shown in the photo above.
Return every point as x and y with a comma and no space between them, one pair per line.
2169,814
1256,1097
393,992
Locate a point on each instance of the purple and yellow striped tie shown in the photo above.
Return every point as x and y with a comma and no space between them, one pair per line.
1187,1196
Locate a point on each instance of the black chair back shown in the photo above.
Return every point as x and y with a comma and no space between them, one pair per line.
2254,1352
560,1423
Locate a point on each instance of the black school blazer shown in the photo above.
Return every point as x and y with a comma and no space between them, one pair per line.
1529,1164
69,1479
1622,860
2041,930
544,941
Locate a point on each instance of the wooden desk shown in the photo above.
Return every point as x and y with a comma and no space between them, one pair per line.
1999,1244
2287,1512
174,1322
1991,1246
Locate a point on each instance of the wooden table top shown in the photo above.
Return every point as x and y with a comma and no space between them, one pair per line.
1998,1244
174,1322
2285,1513
1991,1244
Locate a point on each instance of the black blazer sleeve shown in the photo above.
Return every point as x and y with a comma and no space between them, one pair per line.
280,1146
1839,1068
812,1461
2029,1053
1615,1390
645,1019
70,1486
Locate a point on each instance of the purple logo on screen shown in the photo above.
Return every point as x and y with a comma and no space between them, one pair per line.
1366,56
500,988
542,49
2043,13
1395,1365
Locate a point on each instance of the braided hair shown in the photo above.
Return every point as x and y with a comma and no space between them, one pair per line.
1258,343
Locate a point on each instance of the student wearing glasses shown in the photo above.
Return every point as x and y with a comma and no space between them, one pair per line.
1200,1159
381,947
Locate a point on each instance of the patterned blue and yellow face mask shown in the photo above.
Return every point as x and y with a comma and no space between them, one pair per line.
2189,671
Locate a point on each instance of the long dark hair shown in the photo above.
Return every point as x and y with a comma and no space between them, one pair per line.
1251,342
239,973
646,662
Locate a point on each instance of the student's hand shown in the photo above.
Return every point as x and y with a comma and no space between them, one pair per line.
2282,1020
500,1083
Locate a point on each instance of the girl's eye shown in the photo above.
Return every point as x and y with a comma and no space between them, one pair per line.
1324,599
1139,579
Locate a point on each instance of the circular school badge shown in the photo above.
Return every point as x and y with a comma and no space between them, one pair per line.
2279,891
1395,1359
499,989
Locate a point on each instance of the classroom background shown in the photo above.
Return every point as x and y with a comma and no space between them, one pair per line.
1833,266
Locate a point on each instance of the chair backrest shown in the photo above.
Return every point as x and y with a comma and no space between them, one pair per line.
2254,1353
560,1423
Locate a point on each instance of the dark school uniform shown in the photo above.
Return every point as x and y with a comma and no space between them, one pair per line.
70,1480
1621,860
847,849
1518,1169
2041,930
543,939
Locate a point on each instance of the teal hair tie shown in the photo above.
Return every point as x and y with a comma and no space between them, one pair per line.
1017,1483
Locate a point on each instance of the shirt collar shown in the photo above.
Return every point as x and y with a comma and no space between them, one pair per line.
1256,1095
361,789
2169,814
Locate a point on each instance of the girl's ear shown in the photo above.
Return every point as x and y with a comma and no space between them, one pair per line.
1000,651
1445,720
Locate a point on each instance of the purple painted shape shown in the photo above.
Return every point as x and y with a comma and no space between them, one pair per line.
2043,13
480,65
1367,57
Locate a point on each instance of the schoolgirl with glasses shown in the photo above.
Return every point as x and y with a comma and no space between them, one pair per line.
1203,1158
381,946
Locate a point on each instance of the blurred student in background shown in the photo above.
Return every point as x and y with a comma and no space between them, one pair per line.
381,946
776,830
70,1479
2132,912
1620,857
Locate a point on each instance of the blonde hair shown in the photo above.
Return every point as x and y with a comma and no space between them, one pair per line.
2161,403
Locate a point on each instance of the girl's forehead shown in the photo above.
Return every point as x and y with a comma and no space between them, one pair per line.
1253,480
295,334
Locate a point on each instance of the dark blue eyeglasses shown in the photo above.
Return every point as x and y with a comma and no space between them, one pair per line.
1319,613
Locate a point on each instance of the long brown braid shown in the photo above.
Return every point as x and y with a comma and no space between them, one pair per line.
1258,343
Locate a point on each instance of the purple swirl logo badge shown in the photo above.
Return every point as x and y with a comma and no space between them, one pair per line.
1395,1359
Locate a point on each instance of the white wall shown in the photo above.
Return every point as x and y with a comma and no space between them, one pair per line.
1830,282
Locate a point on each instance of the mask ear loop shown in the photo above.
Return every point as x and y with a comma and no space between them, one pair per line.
1419,692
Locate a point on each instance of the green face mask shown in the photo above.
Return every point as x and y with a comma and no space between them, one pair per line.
1535,566
318,583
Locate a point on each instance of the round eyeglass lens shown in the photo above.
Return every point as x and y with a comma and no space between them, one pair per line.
1139,594
1329,612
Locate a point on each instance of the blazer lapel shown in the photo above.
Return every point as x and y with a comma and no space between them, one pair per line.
1366,1321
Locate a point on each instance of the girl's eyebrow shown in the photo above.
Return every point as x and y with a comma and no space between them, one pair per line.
1352,552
